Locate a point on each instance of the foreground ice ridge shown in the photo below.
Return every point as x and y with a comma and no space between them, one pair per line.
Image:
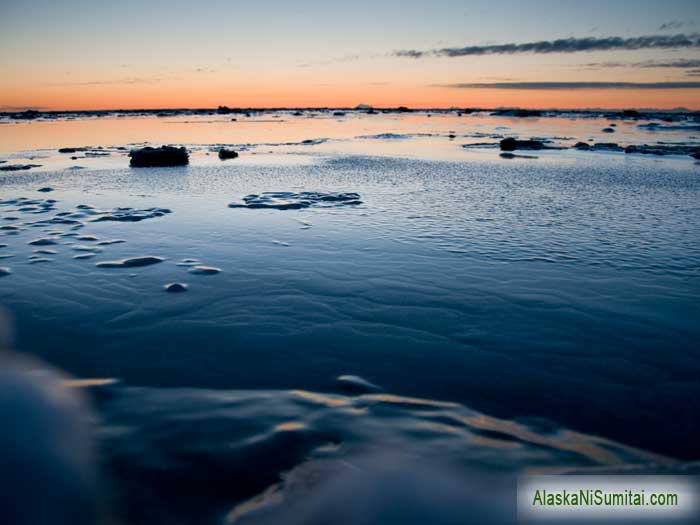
224,457
284,200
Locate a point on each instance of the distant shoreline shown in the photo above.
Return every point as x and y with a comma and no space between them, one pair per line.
31,114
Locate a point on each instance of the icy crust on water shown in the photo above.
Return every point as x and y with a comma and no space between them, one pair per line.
130,214
216,456
566,290
77,216
283,200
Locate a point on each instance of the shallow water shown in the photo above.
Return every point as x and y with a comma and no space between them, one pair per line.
563,288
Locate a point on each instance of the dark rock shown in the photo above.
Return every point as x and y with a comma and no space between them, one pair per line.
29,114
606,146
655,126
4,270
511,144
664,149
175,287
509,155
608,130
481,145
227,154
71,150
520,113
19,167
598,146
45,189
629,113
164,156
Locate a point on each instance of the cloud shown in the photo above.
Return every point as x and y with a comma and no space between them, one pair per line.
563,45
106,82
575,85
336,60
411,53
693,73
117,81
680,63
673,24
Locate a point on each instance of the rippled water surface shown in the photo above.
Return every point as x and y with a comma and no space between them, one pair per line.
561,289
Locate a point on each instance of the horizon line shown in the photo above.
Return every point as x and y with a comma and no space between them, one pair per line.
398,108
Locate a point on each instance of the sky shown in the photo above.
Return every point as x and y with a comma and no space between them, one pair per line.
79,54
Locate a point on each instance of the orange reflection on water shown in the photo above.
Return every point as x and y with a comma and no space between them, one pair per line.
280,128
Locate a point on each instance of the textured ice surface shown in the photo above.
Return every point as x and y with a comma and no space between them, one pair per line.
524,288
562,288
130,214
285,200
218,456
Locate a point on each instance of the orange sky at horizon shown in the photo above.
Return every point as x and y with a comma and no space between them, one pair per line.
156,96
86,55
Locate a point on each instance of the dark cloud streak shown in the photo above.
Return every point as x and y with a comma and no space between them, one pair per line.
575,85
673,24
563,45
680,63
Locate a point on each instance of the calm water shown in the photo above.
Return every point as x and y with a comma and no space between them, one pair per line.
550,293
